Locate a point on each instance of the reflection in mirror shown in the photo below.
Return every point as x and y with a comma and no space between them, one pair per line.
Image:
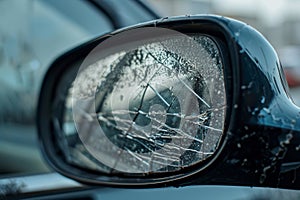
156,107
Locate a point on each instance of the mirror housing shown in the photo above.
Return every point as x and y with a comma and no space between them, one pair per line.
259,144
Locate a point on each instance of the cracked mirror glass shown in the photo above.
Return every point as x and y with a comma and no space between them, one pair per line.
150,105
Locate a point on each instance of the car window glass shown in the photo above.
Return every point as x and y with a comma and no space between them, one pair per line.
129,12
33,33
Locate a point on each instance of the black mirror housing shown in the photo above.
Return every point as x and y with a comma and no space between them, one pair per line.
260,139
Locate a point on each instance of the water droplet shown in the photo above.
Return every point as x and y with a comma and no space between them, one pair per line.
235,106
263,99
229,133
242,50
267,110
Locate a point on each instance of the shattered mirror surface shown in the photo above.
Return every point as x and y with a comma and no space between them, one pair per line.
153,107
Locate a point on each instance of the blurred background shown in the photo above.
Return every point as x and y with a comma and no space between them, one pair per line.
277,20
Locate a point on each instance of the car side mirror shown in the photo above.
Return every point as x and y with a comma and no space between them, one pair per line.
174,102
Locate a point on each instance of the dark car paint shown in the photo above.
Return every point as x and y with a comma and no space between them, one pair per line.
263,144
262,126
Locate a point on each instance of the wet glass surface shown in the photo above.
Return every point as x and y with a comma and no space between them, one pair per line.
153,108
